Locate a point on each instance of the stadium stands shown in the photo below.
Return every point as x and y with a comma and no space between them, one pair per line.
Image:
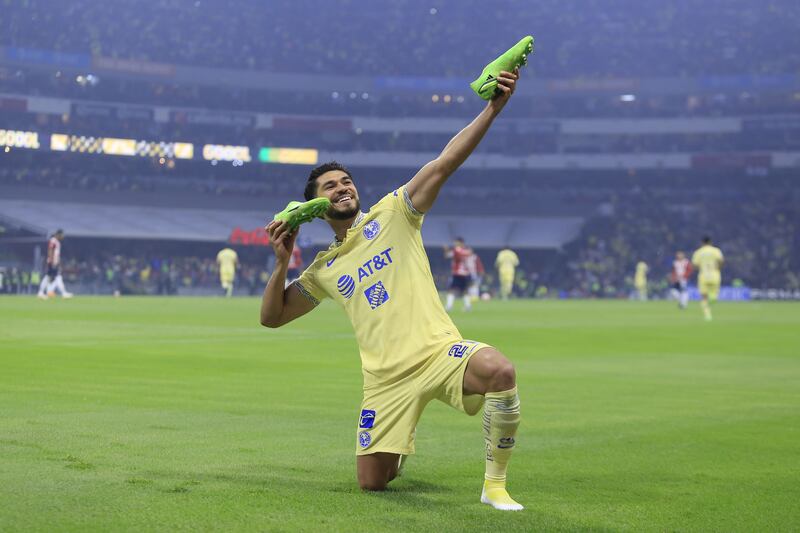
618,145
293,36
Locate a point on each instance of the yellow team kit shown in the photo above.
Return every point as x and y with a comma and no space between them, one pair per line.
411,352
708,259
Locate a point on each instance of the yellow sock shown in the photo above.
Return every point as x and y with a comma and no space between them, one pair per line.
706,309
501,418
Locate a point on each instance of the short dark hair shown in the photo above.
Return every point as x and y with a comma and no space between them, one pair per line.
311,185
706,239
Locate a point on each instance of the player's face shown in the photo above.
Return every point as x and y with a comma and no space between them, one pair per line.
339,188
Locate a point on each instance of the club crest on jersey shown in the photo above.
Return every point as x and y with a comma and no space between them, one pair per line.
346,286
364,439
376,295
371,229
367,419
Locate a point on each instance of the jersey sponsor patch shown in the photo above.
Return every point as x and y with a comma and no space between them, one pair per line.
371,266
364,439
376,295
367,419
371,229
346,286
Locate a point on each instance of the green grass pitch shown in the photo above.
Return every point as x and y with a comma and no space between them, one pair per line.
145,414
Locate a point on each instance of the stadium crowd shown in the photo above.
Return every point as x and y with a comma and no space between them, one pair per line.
409,37
728,100
758,231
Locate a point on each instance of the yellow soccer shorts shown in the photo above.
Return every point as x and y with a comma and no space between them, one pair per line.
389,413
226,276
506,281
709,286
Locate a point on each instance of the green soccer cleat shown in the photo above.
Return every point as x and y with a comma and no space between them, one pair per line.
297,213
516,56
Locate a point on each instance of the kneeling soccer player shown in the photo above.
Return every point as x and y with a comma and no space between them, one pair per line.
411,352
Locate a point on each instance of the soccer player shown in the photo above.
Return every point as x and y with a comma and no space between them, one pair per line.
411,352
476,273
52,281
295,264
228,260
640,280
708,259
460,274
506,264
681,270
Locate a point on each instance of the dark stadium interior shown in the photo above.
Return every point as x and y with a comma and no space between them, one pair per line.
652,136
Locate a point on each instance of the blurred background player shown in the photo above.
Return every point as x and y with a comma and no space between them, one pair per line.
681,270
228,260
640,280
295,264
476,273
459,270
52,280
506,264
708,259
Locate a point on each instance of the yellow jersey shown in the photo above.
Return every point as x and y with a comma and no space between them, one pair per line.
708,260
506,262
381,277
227,259
640,278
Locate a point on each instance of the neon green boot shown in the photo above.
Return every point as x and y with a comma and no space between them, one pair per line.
297,213
516,56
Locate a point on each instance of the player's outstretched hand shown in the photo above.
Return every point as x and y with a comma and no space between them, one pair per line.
506,84
281,238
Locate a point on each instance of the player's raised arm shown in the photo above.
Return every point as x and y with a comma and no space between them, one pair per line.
425,185
280,306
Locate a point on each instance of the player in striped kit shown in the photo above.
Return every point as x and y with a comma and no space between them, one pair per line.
476,273
461,276
295,264
681,270
52,281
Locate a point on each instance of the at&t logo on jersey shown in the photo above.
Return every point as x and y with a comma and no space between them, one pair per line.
371,229
371,266
376,295
346,286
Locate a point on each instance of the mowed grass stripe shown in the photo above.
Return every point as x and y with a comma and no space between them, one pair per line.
166,413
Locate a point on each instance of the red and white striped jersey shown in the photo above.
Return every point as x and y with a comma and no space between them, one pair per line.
459,266
53,252
475,265
296,260
681,269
